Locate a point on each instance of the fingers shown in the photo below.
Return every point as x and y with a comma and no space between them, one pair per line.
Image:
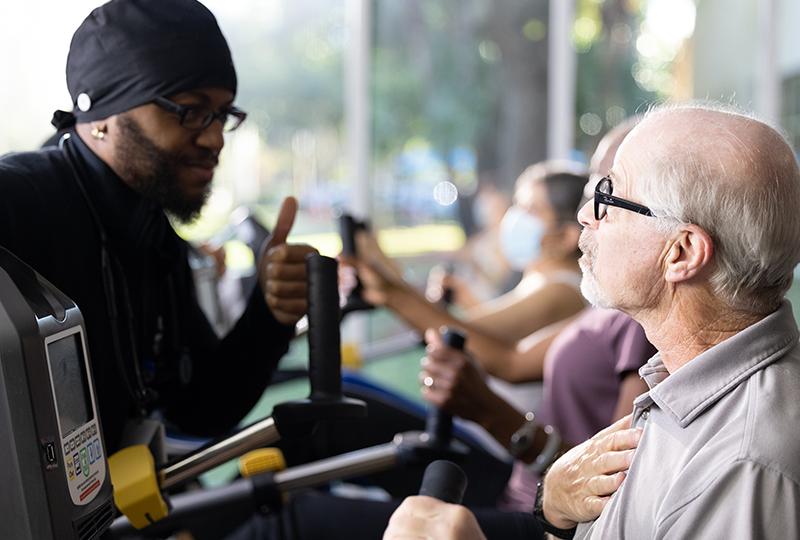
426,518
617,449
420,506
432,337
604,485
622,423
284,223
581,481
284,281
445,363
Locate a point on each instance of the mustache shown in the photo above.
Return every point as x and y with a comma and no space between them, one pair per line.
586,243
206,160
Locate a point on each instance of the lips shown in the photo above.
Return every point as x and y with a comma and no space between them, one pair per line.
203,169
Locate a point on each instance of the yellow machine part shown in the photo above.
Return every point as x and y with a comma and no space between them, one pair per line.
261,460
136,491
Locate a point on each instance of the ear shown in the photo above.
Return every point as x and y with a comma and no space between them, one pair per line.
690,253
98,128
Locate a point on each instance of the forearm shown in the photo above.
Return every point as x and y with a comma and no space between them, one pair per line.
421,314
502,421
498,358
498,418
520,313
519,361
415,309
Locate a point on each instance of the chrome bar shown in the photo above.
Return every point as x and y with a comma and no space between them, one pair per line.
254,436
366,461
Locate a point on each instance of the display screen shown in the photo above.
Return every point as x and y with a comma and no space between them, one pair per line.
70,382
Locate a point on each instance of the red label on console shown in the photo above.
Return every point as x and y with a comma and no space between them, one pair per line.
90,489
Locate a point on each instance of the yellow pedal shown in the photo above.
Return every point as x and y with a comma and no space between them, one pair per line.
351,356
136,491
261,460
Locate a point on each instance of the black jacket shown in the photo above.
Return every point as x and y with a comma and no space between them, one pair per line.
204,385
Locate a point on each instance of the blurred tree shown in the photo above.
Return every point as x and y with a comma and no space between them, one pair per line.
454,73
605,36
463,73
291,67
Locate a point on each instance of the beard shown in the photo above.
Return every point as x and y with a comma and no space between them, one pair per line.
153,172
590,286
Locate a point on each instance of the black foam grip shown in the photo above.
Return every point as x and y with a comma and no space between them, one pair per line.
453,337
324,342
445,481
447,293
439,424
347,230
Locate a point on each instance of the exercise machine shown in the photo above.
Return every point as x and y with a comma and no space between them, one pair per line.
54,483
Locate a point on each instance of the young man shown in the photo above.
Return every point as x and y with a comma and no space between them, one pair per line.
695,234
153,85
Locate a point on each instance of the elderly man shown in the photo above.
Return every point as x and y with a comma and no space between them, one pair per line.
695,234
153,84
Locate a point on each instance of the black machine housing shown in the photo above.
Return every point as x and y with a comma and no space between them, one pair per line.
54,481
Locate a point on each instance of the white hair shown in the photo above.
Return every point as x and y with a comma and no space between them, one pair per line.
737,178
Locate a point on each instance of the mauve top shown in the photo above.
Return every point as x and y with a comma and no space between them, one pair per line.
583,370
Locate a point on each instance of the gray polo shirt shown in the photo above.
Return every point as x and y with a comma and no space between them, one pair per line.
720,452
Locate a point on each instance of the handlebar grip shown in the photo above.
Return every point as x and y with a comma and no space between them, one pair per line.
324,341
445,481
348,226
439,424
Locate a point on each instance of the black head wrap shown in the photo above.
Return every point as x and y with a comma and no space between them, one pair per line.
128,52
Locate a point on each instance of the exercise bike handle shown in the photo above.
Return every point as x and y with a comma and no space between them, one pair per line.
439,424
444,480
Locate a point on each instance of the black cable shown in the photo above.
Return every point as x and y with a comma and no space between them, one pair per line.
140,394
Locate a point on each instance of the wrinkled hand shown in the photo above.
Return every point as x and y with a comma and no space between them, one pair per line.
426,518
282,269
578,485
452,380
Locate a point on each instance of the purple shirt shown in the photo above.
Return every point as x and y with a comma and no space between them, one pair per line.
583,370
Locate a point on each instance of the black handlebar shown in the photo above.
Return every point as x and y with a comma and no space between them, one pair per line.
444,480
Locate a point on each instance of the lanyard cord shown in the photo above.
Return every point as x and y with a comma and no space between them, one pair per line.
141,394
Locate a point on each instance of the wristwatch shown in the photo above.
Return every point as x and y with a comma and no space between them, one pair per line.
538,513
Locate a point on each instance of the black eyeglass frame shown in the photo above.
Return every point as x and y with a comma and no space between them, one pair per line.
606,199
183,110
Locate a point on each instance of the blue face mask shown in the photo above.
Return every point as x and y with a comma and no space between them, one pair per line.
521,237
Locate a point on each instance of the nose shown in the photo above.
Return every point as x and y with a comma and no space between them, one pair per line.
586,214
211,137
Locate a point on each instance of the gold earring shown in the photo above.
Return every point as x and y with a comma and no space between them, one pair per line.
97,134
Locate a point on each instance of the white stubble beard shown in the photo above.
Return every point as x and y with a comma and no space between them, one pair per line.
590,286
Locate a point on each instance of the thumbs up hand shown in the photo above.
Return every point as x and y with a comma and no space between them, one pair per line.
282,269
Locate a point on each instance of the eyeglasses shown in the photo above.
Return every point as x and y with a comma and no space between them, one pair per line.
198,118
603,199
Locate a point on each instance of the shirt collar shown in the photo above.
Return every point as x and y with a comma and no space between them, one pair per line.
129,219
700,383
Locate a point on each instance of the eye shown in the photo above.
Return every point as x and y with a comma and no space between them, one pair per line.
196,116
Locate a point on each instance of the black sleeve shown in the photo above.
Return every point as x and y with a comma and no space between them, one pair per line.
228,376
